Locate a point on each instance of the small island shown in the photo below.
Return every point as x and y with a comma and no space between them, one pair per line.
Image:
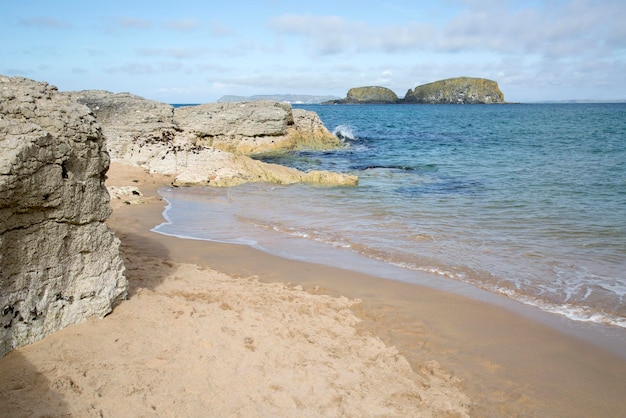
368,95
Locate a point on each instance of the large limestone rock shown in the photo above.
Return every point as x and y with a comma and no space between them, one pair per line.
460,90
206,144
254,127
196,165
310,132
126,119
59,262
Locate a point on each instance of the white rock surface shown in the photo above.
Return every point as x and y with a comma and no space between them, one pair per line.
59,262
254,127
208,144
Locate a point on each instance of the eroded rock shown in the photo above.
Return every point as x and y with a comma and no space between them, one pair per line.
368,95
127,119
459,90
253,127
208,144
59,262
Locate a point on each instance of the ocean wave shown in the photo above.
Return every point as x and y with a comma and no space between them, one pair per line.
345,133
570,311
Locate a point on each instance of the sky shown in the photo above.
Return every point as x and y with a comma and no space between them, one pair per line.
197,51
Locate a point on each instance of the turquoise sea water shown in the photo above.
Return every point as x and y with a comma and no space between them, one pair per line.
527,201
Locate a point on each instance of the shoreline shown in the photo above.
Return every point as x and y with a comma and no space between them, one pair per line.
529,365
606,335
507,364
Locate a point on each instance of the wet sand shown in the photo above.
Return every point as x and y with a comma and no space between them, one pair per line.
464,355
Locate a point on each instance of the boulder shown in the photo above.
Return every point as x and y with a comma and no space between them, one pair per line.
59,262
460,90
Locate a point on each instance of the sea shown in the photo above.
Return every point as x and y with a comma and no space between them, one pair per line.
523,201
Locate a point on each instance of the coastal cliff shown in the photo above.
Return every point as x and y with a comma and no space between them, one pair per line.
59,262
459,90
210,144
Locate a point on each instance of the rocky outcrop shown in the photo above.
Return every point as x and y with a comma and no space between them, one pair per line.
59,262
310,132
253,127
205,144
127,119
460,90
368,95
196,165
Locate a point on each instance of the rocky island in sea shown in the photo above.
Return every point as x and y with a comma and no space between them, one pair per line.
459,90
368,95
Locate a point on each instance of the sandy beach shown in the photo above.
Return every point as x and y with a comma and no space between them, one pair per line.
223,330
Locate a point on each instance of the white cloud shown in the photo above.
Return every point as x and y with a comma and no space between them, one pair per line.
551,29
219,29
132,23
327,35
183,25
45,22
172,52
134,68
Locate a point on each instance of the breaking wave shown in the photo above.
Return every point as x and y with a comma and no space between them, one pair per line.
344,132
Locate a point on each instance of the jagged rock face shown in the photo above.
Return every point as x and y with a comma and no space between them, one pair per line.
202,145
127,119
59,262
460,90
373,94
253,127
310,132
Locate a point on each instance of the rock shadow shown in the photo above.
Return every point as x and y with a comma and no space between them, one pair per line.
147,262
25,391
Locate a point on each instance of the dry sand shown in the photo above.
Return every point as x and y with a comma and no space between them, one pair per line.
221,330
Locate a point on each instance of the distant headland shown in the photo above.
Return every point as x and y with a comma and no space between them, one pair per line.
459,90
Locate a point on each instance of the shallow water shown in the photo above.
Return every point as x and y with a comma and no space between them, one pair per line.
528,201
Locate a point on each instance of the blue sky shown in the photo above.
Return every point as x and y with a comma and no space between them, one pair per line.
196,51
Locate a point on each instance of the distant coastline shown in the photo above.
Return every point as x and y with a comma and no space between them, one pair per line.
284,98
577,101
